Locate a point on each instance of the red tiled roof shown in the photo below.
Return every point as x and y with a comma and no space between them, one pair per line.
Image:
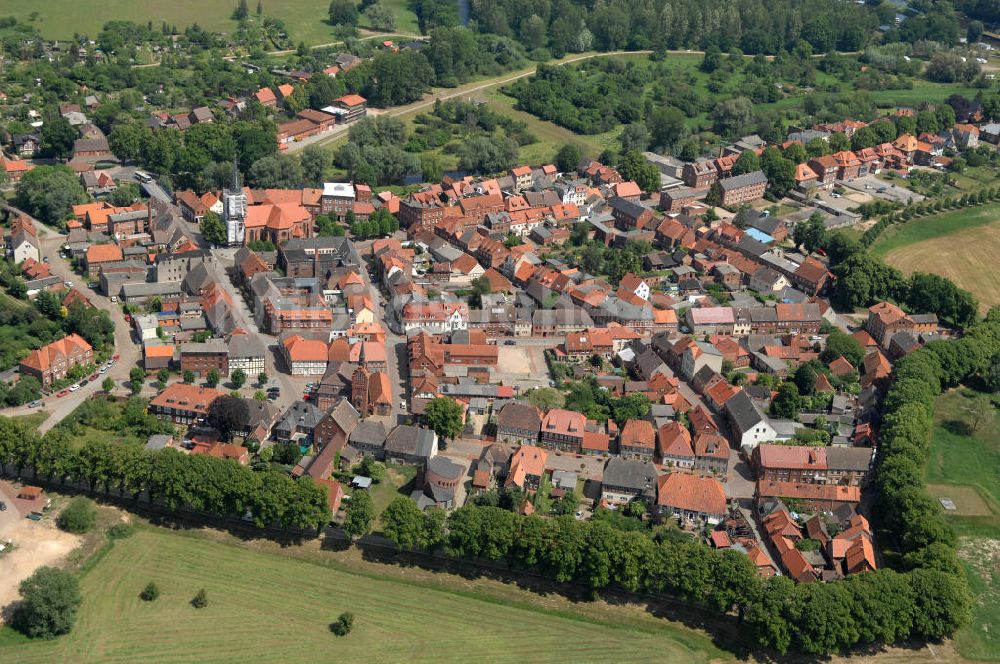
691,493
638,433
42,358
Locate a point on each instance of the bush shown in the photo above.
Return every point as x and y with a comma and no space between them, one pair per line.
200,600
50,598
342,626
150,593
121,531
79,517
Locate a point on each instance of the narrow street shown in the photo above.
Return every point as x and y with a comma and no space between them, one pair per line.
290,389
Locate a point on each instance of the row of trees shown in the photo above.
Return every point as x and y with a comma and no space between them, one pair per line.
177,481
877,607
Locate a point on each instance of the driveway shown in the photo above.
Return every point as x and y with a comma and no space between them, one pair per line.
739,479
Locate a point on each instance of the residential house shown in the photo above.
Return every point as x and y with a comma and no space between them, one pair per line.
563,430
202,358
637,440
626,480
527,467
748,424
304,356
408,444
691,498
843,466
181,403
742,189
674,446
518,423
52,362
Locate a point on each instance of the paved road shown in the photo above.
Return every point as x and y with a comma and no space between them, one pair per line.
154,190
291,387
130,352
395,346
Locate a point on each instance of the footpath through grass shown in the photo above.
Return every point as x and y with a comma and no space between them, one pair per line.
277,608
964,466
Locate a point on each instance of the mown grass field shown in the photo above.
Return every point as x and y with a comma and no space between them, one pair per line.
962,245
305,19
964,466
275,608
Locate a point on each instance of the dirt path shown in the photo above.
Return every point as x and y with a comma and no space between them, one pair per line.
36,544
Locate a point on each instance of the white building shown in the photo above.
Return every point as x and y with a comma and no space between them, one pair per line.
435,317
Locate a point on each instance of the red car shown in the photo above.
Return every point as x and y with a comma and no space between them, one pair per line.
115,357
93,376
307,396
63,393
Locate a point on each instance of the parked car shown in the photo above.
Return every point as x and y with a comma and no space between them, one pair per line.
63,393
510,342
3,506
84,382
35,404
114,358
35,516
69,284
92,377
102,370
74,387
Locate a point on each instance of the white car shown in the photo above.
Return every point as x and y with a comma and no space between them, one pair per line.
69,284
402,405
74,387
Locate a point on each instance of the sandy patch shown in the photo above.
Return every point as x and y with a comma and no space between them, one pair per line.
36,544
514,360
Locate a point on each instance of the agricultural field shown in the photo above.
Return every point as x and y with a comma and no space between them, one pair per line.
962,245
964,467
277,607
305,19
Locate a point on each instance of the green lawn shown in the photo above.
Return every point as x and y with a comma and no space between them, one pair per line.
550,136
305,19
276,608
965,466
398,482
934,227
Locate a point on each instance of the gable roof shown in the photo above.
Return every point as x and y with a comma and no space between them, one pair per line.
703,495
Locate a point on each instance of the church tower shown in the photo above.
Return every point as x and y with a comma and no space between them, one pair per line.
359,390
234,209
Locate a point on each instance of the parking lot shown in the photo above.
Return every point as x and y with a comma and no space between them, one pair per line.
878,188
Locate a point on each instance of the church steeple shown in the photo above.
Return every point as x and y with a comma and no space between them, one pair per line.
234,208
235,178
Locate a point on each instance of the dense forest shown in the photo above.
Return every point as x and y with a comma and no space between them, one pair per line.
754,26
